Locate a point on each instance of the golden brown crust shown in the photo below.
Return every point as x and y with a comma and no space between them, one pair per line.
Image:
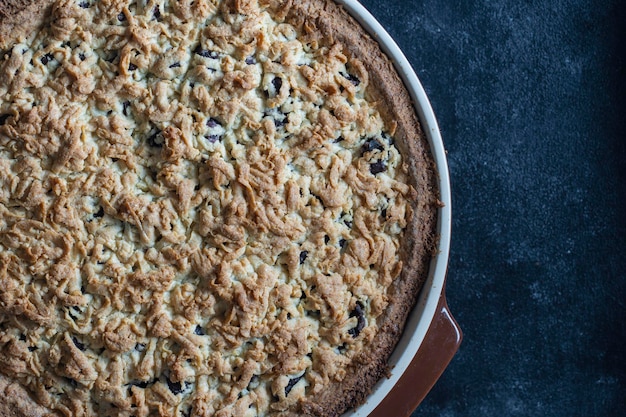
19,18
338,384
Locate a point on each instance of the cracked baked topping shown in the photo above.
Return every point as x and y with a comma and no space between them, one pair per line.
206,208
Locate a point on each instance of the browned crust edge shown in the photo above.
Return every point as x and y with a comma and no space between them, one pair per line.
335,24
18,18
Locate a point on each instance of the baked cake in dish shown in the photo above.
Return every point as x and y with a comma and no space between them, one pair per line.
207,208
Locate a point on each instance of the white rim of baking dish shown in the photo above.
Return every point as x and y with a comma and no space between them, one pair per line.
424,311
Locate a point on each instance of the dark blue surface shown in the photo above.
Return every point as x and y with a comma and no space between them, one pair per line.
531,101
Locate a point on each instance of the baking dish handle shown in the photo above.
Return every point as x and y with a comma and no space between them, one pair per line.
439,346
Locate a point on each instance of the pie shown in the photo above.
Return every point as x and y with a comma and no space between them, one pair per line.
207,208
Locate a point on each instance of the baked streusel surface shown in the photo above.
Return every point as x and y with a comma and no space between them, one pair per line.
204,210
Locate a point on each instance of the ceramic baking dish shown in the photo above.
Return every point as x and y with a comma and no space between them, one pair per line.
432,336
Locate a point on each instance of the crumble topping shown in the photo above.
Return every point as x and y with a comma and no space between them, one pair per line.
200,209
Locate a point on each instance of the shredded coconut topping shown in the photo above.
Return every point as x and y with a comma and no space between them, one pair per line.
200,210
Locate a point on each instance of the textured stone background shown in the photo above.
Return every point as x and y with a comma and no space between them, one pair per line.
531,100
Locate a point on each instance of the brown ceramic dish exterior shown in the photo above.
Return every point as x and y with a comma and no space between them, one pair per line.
437,350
